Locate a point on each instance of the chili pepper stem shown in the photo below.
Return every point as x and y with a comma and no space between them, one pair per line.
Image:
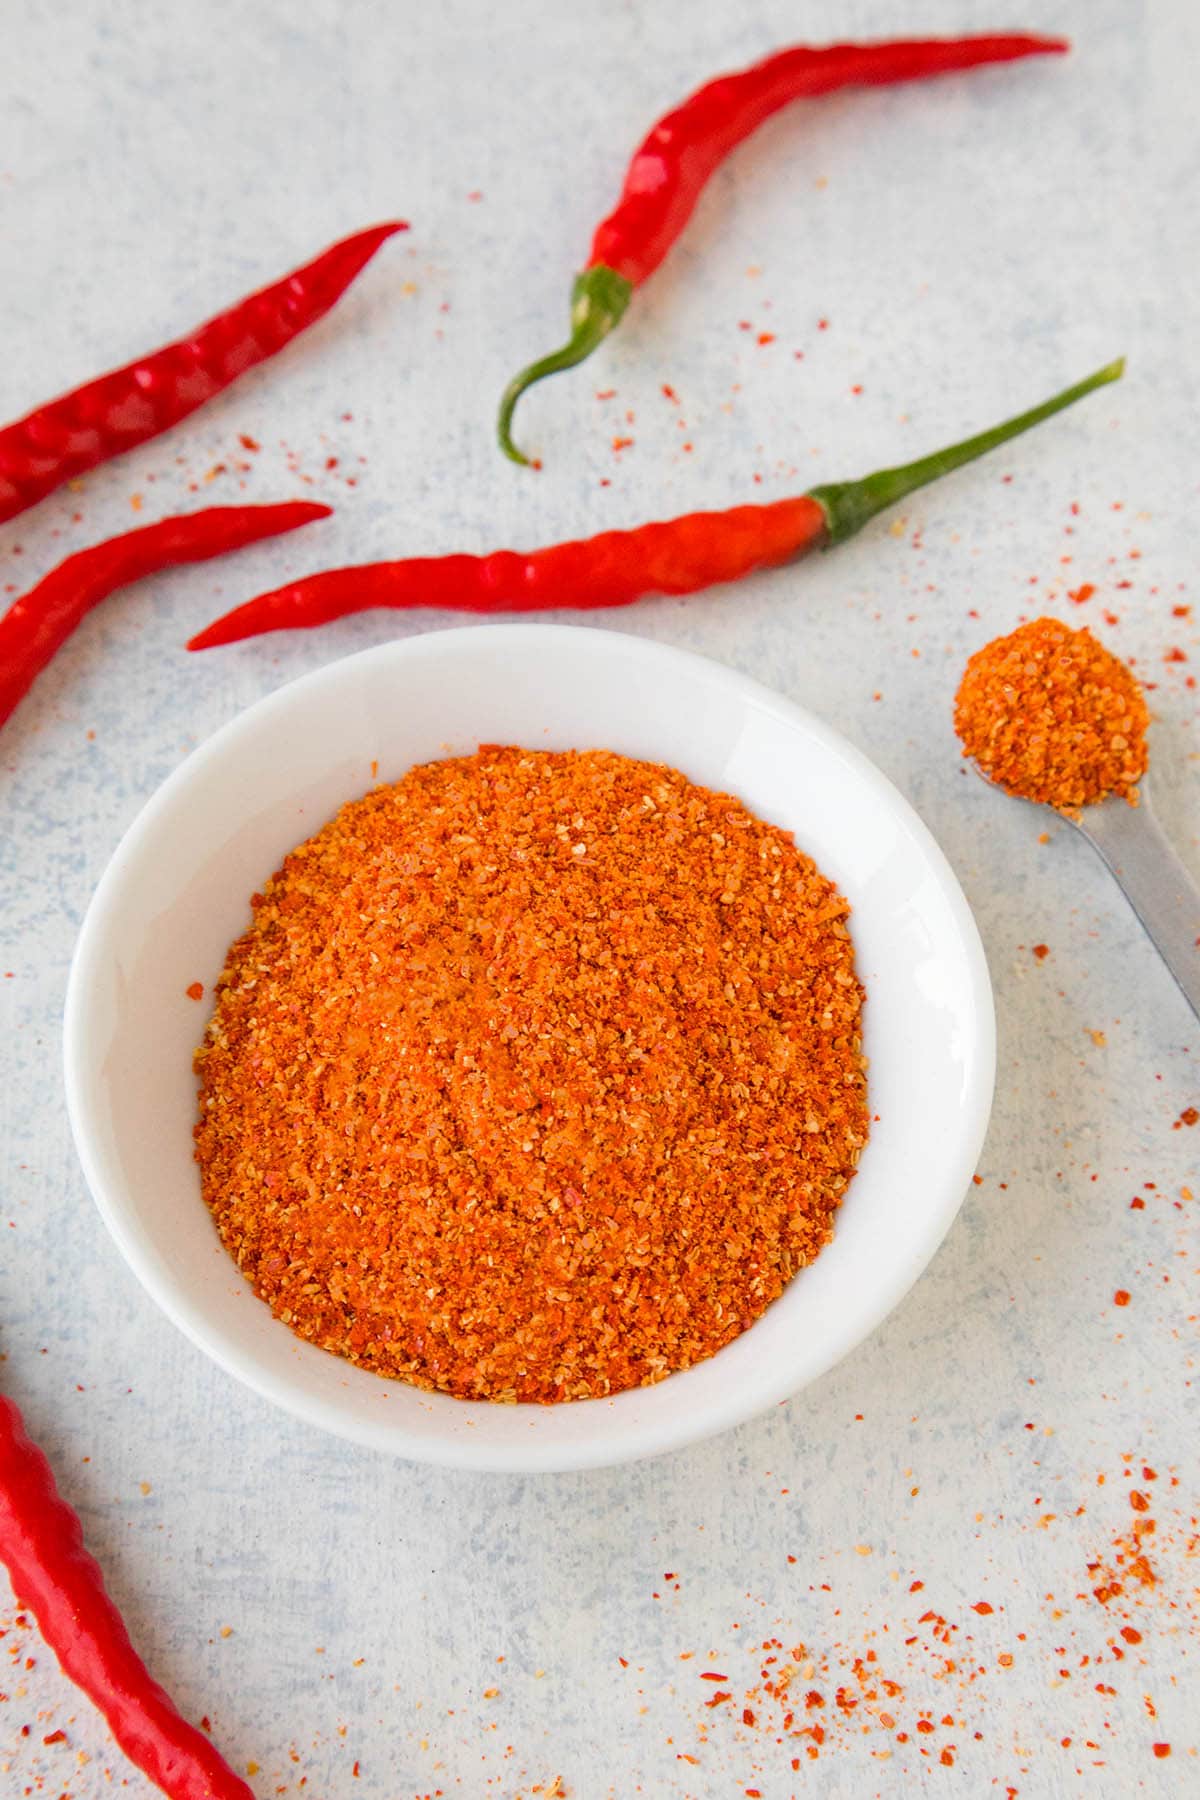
849,505
598,301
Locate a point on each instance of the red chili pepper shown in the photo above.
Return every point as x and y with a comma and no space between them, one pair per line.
685,148
41,1540
38,624
678,556
120,410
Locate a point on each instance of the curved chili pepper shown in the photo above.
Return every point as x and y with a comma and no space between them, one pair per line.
129,406
681,153
676,556
41,1540
38,624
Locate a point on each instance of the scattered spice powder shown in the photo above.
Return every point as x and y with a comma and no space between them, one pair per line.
1049,714
935,1694
536,1076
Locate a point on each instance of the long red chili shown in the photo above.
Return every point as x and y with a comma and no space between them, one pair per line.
129,406
41,1541
684,149
676,556
38,624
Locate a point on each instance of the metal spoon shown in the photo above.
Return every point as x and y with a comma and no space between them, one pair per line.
1153,879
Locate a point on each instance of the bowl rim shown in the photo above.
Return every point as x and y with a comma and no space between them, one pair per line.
623,1444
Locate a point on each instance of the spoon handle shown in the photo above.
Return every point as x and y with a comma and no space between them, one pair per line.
1155,882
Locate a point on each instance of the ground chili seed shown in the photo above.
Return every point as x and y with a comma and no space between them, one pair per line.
1049,714
536,1076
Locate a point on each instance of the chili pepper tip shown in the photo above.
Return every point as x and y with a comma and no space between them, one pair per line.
307,512
131,405
383,232
36,626
598,301
221,632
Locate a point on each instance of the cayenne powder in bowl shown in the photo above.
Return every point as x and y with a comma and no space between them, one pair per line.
536,1076
1049,714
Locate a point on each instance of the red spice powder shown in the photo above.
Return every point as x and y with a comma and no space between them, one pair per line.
1049,714
536,1076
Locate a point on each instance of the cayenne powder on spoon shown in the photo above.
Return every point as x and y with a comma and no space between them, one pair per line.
536,1076
1049,714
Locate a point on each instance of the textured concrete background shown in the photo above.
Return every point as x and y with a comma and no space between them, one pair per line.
922,261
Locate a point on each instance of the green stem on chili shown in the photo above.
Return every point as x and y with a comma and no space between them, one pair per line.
849,505
674,556
675,161
598,301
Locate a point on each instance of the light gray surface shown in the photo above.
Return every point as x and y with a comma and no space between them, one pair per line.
973,246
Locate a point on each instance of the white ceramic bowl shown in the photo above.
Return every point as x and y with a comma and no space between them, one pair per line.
176,895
